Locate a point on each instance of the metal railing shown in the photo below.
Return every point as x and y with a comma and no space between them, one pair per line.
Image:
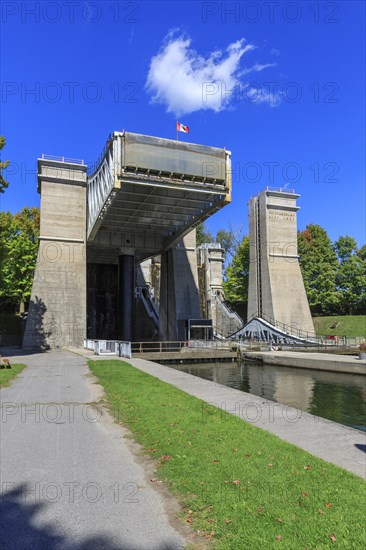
292,331
217,345
157,347
280,189
289,329
182,346
62,159
233,322
109,347
93,166
149,304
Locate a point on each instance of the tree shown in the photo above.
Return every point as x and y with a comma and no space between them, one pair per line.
361,252
351,276
237,275
19,246
318,262
226,240
3,164
202,235
345,247
5,224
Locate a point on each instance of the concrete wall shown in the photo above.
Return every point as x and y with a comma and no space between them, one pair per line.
212,298
179,296
57,311
276,287
210,260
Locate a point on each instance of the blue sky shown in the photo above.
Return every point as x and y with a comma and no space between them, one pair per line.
74,72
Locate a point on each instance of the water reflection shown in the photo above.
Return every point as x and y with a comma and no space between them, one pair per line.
338,397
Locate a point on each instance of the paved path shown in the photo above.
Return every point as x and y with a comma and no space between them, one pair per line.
343,446
68,477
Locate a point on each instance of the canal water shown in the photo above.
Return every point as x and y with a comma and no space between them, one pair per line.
338,397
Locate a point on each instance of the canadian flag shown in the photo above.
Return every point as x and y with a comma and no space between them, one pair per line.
182,128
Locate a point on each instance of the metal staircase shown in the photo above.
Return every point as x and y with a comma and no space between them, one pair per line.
267,329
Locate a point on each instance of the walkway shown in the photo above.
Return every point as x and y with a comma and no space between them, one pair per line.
69,478
343,446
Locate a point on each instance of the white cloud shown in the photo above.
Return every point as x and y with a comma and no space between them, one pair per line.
256,68
263,94
274,51
186,82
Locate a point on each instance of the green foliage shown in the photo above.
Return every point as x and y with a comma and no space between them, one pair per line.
227,240
241,486
350,277
341,325
334,275
237,274
18,253
6,375
318,262
361,252
3,164
202,235
345,247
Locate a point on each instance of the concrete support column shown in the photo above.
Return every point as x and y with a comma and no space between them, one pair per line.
179,295
167,310
126,297
276,287
57,309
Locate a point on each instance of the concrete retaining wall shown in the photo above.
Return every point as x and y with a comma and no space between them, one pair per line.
313,361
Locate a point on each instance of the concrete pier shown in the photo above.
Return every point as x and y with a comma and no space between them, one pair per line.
179,295
57,310
276,288
126,297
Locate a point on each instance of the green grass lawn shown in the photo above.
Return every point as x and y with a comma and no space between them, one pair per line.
347,325
6,375
240,486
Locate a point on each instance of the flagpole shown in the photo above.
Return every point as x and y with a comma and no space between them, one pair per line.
176,127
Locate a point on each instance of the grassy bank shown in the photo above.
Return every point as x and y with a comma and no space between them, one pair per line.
239,485
6,375
341,325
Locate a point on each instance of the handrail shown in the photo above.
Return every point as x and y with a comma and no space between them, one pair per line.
234,320
150,306
92,168
229,309
280,189
285,327
158,347
179,346
297,333
62,159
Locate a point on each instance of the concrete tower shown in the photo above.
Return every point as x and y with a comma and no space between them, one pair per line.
57,309
276,288
212,298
